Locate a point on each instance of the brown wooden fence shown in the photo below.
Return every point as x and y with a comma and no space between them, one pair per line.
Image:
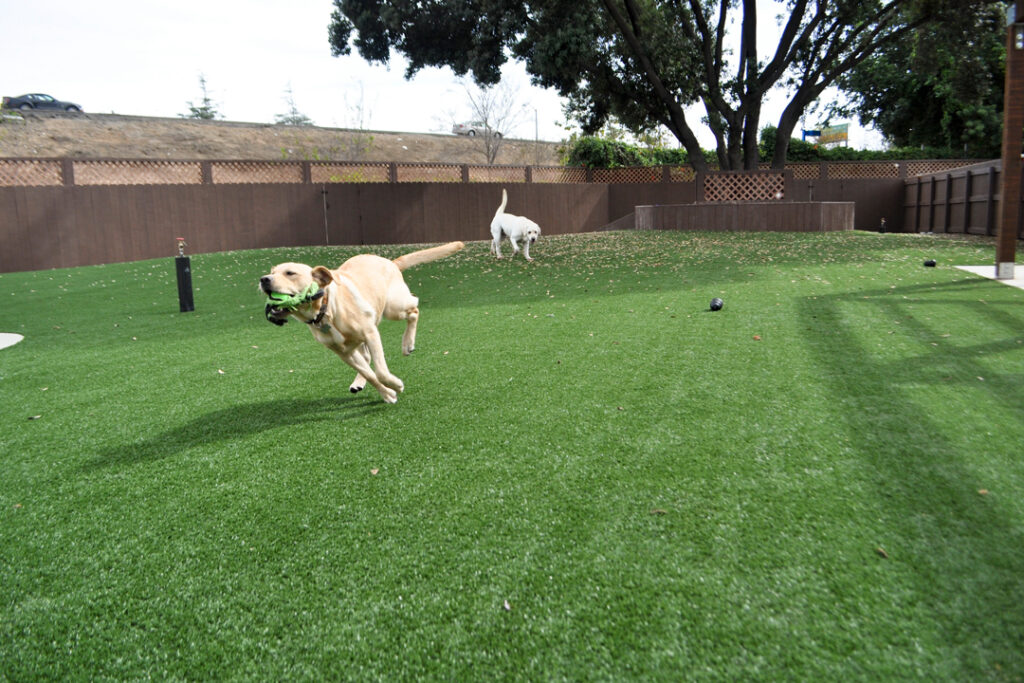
69,212
963,200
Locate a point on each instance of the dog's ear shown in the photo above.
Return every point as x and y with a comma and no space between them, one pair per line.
323,276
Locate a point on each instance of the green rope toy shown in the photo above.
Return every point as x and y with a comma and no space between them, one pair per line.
279,302
290,301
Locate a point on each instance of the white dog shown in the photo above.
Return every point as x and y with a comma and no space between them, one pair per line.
515,227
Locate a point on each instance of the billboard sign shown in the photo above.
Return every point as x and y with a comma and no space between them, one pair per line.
830,135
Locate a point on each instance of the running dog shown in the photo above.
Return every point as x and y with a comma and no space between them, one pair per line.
515,227
344,306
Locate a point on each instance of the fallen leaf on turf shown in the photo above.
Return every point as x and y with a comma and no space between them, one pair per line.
508,607
17,506
757,337
34,417
374,471
659,511
983,492
220,372
881,553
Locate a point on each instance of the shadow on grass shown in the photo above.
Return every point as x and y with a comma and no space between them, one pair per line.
237,422
962,552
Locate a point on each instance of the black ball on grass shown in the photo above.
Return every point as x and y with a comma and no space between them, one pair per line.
716,304
930,263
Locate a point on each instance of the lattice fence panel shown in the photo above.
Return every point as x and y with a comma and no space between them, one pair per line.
805,171
744,187
28,172
497,174
854,169
137,172
349,173
557,174
637,174
430,173
682,174
935,166
254,172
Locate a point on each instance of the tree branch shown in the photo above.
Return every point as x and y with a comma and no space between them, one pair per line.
676,114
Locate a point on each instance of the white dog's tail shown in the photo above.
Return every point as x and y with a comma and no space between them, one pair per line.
504,201
427,255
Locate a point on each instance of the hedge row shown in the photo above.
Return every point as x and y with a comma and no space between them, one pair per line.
596,152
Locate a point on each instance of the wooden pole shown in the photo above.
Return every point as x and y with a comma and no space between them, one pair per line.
1013,130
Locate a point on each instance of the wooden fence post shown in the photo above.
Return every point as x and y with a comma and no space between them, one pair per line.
1013,121
990,203
968,190
67,171
931,204
917,205
949,203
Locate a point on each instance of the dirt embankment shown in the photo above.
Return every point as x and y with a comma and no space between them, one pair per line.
113,136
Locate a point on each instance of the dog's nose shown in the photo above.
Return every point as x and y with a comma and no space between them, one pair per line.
265,282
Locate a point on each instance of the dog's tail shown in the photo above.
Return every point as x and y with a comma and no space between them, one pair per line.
427,255
504,201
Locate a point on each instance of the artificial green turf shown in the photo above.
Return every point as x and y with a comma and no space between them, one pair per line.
590,476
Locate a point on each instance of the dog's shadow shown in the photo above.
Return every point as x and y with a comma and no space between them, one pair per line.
229,424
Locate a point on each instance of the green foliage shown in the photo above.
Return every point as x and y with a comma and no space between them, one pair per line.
642,63
597,152
588,476
293,117
941,87
801,150
594,152
206,109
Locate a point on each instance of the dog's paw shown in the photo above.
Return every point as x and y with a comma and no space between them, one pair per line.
354,389
389,396
407,351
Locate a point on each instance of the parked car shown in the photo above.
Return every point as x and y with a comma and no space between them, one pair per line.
473,128
39,101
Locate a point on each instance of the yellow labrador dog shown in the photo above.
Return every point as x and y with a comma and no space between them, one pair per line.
343,308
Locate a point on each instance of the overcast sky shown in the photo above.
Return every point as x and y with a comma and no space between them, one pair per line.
145,57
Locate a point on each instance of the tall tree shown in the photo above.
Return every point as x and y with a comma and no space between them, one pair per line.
206,109
941,87
495,107
644,61
294,117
